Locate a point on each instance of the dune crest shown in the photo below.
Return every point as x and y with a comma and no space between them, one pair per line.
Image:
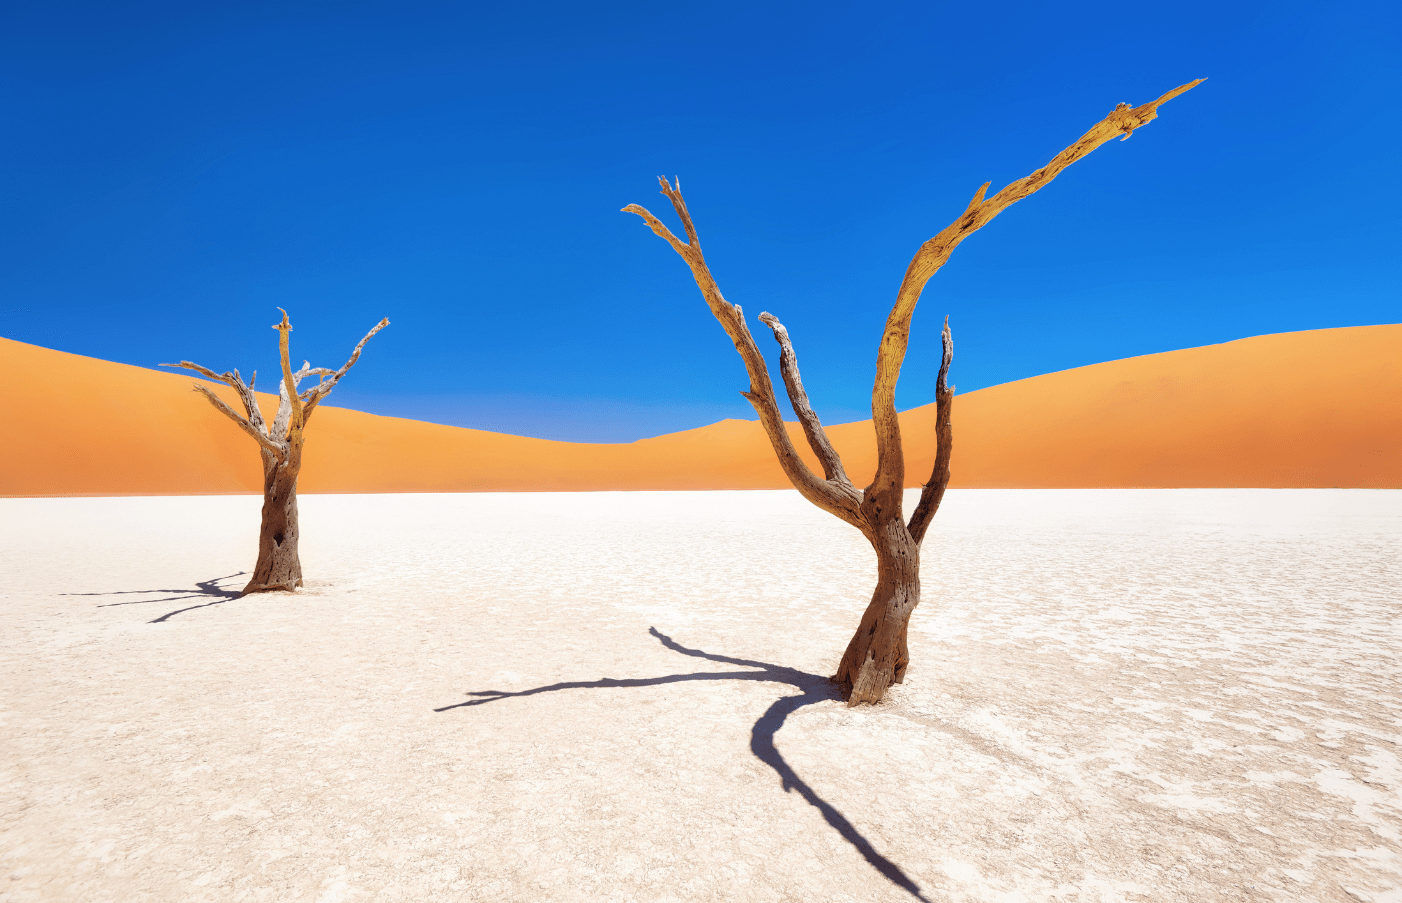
1304,409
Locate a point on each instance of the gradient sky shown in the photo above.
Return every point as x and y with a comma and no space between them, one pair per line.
171,174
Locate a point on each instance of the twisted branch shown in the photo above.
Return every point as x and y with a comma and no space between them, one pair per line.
933,492
250,399
315,394
836,498
259,436
309,370
276,439
885,489
253,423
812,427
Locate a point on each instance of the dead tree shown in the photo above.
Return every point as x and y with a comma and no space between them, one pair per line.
877,655
278,567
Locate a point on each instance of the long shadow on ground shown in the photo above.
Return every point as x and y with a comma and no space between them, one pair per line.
203,589
814,689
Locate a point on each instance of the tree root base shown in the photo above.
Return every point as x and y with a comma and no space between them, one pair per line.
869,697
271,588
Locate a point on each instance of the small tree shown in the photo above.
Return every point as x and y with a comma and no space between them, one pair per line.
877,656
279,566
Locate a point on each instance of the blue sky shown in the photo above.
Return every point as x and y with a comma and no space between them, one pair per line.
171,174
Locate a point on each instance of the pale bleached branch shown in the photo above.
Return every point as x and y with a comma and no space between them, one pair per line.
246,394
283,418
323,388
286,429
933,492
282,424
812,427
886,487
840,500
250,399
309,370
204,371
243,423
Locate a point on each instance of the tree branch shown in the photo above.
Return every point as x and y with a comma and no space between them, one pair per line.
288,394
204,371
657,226
933,493
322,389
283,419
246,393
292,413
812,427
243,423
842,501
309,370
250,400
885,489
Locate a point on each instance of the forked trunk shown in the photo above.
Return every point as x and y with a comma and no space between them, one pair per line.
278,566
877,655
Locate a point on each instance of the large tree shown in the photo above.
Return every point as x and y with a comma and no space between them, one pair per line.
278,567
877,656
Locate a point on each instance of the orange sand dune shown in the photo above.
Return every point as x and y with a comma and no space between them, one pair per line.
1318,408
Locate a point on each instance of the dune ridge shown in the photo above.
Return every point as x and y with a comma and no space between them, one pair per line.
1321,408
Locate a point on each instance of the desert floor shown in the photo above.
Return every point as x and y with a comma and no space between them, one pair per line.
1185,695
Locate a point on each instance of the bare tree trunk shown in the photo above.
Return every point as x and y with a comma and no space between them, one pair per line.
278,567
280,443
877,655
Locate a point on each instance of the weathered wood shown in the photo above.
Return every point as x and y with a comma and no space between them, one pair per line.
812,427
933,492
279,565
246,394
842,501
289,381
877,655
890,463
322,389
259,436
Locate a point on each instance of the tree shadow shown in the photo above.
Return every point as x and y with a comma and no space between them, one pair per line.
203,589
813,687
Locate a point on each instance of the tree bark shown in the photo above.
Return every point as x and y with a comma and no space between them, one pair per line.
877,656
279,567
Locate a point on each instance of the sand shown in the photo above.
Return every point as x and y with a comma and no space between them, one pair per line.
1114,695
1321,408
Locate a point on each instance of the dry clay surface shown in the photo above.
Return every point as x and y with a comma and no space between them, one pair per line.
1187,695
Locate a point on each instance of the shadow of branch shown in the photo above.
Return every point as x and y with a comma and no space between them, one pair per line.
814,689
203,588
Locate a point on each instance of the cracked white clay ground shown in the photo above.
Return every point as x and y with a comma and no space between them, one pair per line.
1186,695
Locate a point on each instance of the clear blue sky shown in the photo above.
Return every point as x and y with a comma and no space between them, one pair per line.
171,174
